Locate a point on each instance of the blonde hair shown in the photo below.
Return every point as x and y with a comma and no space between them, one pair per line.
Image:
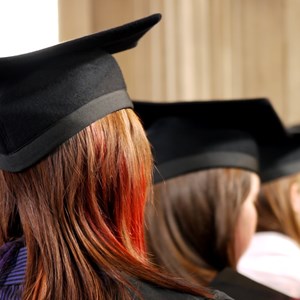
275,210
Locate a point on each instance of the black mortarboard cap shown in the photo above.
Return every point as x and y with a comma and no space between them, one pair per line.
49,95
198,135
282,160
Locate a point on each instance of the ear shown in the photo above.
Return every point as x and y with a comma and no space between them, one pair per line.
295,197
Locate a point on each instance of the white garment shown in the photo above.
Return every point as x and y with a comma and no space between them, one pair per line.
273,259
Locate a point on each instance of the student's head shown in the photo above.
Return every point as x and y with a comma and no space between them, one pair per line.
279,200
203,216
203,221
80,211
95,183
75,168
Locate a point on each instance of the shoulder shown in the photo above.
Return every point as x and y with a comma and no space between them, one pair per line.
242,287
13,260
13,257
265,242
221,296
149,291
265,257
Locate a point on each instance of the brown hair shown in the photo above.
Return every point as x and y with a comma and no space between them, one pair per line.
274,207
81,213
191,225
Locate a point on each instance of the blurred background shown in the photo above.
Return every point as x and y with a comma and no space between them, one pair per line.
201,50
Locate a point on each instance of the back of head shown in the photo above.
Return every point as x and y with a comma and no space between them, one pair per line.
81,211
205,154
76,168
275,208
280,172
191,225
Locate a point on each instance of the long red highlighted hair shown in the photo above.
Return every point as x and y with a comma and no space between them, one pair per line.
81,212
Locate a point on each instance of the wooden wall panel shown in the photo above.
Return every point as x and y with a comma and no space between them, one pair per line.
204,49
238,84
291,70
157,80
202,43
263,50
75,18
170,56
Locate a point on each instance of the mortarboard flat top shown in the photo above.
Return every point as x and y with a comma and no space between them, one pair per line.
47,96
192,136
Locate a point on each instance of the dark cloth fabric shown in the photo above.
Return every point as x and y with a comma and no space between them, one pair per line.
241,287
13,257
151,292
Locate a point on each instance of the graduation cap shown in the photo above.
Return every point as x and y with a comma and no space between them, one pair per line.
192,136
47,96
282,160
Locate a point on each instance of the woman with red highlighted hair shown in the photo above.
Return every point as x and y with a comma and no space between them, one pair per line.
75,172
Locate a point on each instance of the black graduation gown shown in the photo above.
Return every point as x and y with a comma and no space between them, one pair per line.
240,287
153,292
